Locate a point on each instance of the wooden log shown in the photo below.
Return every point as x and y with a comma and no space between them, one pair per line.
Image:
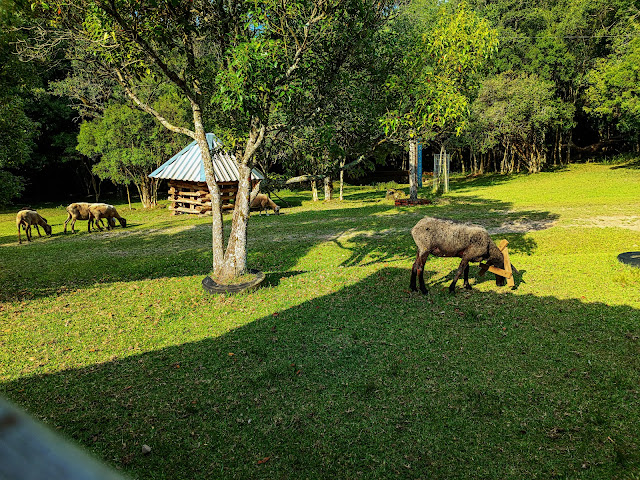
224,196
184,193
183,209
188,201
507,266
507,272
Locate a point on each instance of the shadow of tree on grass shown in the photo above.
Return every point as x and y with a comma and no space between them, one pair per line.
370,381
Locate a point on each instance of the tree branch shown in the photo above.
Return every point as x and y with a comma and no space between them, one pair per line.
151,111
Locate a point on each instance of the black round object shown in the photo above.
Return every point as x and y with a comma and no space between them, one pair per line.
210,285
630,258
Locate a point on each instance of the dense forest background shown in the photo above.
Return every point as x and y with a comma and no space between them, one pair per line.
506,86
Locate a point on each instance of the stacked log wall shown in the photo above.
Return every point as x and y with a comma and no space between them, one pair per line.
194,197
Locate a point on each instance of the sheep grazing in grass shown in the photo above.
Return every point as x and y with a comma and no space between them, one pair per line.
27,218
263,202
446,238
98,211
77,211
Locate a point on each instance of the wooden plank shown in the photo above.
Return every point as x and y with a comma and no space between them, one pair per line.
498,271
188,201
183,209
507,265
183,193
180,184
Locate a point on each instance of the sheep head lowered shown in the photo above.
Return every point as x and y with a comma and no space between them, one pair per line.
263,203
26,218
446,238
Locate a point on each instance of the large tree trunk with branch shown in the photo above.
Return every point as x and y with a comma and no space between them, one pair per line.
130,39
235,256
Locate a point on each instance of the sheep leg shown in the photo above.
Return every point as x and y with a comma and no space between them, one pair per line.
418,271
28,230
464,265
19,235
65,223
467,285
38,230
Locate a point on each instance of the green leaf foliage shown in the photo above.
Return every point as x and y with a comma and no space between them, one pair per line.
614,86
130,144
514,111
439,72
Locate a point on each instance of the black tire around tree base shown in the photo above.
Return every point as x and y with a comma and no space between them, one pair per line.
211,286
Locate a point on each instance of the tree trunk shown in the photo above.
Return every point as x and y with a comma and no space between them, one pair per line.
328,188
144,189
154,191
128,196
235,257
445,168
413,169
314,190
342,160
216,202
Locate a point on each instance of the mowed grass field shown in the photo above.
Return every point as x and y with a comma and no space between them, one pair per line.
334,369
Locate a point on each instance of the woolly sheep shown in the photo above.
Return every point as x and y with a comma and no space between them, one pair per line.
98,211
263,202
446,238
77,211
26,218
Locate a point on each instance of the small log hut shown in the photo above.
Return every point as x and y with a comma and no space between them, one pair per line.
188,191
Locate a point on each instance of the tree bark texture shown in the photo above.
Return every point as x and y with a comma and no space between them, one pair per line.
413,169
341,179
235,257
328,188
216,201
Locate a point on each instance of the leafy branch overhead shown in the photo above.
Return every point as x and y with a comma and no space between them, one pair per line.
440,70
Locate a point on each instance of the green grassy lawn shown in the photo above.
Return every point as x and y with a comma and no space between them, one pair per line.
334,369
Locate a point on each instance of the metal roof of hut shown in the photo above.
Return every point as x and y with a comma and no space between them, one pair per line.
186,165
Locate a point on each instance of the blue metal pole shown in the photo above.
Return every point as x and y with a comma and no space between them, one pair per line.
419,165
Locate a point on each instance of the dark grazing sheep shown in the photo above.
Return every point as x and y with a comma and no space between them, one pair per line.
446,238
26,218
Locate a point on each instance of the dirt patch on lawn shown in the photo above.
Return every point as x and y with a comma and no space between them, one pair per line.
522,226
614,221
